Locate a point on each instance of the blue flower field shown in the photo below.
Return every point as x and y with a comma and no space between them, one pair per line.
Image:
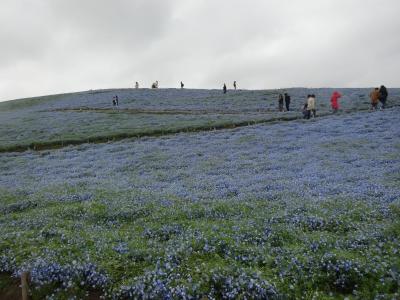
301,209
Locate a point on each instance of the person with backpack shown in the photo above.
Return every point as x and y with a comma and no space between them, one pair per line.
374,95
287,101
224,88
280,102
335,101
383,94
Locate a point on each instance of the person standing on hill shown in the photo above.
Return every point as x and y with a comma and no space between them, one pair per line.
224,88
155,85
383,94
287,101
374,98
234,85
311,106
280,102
182,85
335,101
305,111
136,85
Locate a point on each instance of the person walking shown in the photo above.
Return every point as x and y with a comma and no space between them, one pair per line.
234,85
374,95
182,85
116,100
287,101
335,101
305,111
311,106
280,102
383,94
224,88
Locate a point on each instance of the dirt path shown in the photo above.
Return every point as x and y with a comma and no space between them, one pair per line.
9,288
159,111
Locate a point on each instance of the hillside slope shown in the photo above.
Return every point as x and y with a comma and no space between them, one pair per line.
283,210
60,120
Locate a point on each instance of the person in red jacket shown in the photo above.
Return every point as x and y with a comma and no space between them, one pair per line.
335,101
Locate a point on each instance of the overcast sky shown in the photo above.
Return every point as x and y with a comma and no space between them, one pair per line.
53,46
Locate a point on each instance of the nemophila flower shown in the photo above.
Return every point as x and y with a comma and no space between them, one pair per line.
42,273
121,248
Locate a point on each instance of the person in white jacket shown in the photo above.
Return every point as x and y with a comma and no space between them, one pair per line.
311,106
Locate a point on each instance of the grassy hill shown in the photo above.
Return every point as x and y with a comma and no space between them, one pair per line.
277,210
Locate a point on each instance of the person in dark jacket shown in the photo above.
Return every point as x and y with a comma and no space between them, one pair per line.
182,85
383,94
234,85
287,101
224,88
280,102
305,110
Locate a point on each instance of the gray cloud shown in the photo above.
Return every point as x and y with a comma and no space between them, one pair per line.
51,46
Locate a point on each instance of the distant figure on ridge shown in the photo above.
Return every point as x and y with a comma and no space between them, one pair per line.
234,85
383,94
115,100
224,88
280,102
311,106
374,98
136,85
287,101
335,101
182,85
155,85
